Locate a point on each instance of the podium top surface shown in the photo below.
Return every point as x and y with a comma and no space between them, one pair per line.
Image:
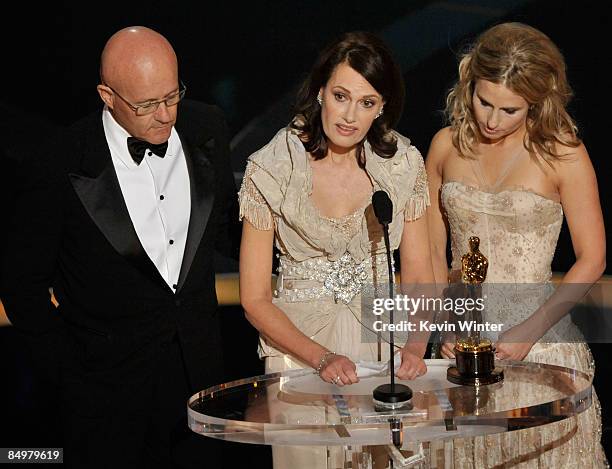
297,408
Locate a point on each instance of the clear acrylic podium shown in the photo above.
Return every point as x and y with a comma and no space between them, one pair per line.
296,408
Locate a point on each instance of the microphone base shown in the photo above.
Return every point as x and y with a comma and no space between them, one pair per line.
392,397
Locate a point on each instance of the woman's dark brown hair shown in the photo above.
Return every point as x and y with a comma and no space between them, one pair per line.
370,57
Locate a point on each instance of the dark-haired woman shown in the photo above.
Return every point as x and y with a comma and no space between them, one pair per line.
309,192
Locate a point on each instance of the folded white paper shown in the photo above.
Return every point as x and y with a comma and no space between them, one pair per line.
368,368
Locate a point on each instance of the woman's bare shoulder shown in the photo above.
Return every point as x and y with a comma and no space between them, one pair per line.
441,147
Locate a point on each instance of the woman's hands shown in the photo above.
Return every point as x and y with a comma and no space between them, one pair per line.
515,343
448,350
413,364
339,370
512,351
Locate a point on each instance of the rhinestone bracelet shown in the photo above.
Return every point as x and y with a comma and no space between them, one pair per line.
323,361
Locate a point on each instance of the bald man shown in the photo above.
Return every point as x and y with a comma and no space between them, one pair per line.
121,219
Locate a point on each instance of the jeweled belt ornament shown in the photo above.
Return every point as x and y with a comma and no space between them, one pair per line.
345,278
342,279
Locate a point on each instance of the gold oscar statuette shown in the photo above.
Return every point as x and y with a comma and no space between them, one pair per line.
474,356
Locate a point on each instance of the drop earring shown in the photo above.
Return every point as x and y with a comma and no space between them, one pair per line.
320,99
380,112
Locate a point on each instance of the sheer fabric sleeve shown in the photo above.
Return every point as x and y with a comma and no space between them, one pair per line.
253,205
418,201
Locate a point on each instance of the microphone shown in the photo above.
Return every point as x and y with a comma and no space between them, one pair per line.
389,396
383,207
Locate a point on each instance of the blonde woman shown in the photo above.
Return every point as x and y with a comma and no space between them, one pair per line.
507,169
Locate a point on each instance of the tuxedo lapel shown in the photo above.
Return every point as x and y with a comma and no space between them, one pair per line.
202,184
102,198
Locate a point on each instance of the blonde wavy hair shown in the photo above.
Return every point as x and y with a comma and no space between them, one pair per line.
528,63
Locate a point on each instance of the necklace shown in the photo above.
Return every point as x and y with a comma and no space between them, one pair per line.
509,164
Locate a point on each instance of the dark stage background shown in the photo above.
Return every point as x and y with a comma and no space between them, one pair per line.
248,60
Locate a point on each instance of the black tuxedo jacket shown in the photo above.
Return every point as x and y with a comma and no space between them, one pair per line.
73,233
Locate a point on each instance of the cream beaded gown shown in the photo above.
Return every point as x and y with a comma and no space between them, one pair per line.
325,262
518,230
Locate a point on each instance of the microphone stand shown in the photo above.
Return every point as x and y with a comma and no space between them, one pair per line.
394,395
391,295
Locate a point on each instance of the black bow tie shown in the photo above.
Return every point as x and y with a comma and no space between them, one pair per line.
138,147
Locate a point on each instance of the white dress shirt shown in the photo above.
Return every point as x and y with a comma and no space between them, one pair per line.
157,196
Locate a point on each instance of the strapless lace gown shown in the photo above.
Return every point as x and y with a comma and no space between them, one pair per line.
518,231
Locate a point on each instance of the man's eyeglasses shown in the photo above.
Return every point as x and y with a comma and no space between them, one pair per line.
152,106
